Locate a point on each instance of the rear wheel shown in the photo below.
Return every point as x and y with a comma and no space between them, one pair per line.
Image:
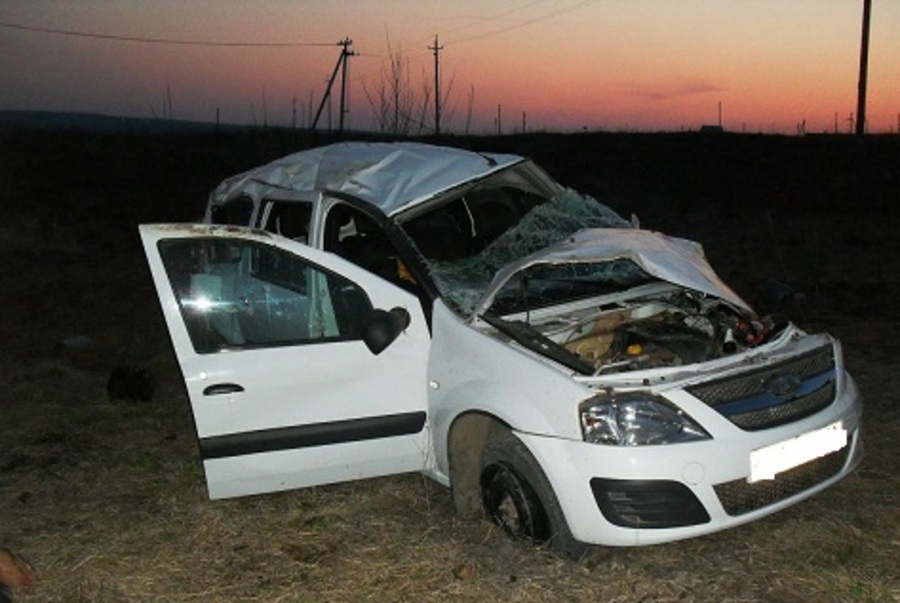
517,496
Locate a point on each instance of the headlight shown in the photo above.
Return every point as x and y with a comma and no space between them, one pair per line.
636,419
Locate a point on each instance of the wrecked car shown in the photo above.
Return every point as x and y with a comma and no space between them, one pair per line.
365,309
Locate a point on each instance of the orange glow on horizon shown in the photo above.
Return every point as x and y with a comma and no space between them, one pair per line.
619,64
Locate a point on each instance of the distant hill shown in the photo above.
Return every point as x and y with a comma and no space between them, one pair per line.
91,122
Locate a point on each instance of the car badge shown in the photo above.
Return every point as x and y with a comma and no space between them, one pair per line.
782,385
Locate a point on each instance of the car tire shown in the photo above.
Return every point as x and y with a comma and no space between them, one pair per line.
517,496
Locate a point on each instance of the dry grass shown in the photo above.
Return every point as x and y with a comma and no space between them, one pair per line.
107,501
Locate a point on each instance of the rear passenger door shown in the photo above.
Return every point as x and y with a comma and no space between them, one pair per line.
268,334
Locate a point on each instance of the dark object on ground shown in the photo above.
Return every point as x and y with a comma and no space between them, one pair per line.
130,383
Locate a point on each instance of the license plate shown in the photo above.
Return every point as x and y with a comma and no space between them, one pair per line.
767,462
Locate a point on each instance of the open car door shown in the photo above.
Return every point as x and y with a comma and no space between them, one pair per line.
269,336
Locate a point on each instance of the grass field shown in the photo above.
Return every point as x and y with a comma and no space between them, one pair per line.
107,500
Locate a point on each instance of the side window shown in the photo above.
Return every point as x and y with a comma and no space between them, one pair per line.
238,212
356,237
289,219
243,294
446,233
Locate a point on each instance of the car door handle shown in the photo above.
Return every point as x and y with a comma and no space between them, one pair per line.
222,388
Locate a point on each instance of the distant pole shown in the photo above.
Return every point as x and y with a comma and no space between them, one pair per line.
341,63
343,109
720,114
329,111
523,122
265,109
863,69
345,56
437,85
499,119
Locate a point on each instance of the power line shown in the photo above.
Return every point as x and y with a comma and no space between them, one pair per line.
483,19
544,17
119,38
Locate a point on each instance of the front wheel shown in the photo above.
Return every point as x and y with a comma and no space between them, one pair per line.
511,503
517,496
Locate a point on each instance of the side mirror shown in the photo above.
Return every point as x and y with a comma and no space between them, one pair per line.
383,327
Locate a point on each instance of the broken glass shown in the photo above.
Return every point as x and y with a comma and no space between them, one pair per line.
462,282
542,285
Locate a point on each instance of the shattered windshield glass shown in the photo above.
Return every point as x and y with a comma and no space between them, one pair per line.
462,282
545,284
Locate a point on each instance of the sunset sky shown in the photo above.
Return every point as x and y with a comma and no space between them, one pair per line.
566,65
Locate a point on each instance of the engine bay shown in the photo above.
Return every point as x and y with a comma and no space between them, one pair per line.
670,330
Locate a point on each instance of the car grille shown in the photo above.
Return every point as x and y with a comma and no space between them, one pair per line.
773,395
739,497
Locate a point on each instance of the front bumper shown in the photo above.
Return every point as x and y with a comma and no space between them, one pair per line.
629,496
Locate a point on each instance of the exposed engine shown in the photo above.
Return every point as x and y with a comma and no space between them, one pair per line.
671,331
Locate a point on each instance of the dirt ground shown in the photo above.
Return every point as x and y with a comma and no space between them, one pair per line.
106,498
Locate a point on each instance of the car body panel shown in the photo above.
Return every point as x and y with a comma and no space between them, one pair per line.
251,436
473,372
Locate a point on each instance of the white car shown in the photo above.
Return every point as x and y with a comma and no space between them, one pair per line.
365,309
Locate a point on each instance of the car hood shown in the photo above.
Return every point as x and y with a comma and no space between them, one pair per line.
677,261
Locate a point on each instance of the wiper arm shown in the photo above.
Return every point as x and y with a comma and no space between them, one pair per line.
526,335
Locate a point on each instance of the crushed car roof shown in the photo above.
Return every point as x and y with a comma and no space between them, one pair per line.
391,176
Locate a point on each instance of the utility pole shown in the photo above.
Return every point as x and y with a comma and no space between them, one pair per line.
437,85
863,69
345,56
346,53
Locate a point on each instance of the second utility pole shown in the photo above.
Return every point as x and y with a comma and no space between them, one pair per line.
437,86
